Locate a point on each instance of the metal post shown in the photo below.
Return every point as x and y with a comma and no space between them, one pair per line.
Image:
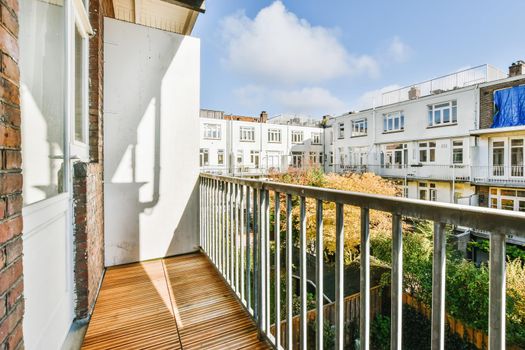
248,251
364,314
255,254
319,274
396,284
261,253
277,273
438,287
267,280
289,286
303,316
339,276
497,292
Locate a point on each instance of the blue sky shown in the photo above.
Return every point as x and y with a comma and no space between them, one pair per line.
329,57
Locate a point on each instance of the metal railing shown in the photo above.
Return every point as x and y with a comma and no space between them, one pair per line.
235,234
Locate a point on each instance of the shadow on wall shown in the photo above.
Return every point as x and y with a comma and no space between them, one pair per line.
151,142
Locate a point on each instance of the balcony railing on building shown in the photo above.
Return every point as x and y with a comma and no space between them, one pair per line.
235,232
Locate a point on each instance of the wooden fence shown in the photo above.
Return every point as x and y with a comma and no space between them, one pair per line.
351,313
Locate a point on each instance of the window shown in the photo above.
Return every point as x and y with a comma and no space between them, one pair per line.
457,152
240,157
359,127
204,157
341,130
220,157
247,133
331,158
316,138
443,114
320,157
297,159
427,191
274,135
516,157
254,158
297,137
498,158
427,152
507,199
341,156
358,155
396,155
313,158
212,131
394,121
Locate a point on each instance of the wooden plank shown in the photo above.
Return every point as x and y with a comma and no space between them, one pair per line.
174,303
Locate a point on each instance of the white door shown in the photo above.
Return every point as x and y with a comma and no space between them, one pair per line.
54,117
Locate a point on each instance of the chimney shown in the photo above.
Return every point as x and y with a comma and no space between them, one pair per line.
517,68
414,93
263,118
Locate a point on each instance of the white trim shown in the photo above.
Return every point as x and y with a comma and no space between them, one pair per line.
82,19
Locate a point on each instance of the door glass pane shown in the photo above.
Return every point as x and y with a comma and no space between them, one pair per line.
521,206
42,48
507,204
79,89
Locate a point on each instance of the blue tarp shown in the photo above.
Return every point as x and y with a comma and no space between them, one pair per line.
510,107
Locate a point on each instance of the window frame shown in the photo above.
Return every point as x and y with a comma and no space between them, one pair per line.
455,148
220,157
246,131
393,116
314,136
204,157
210,129
341,130
427,149
274,132
359,127
429,189
498,196
451,107
294,134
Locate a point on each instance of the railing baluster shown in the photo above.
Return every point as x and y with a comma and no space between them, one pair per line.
364,311
339,277
255,254
277,273
241,245
228,232
303,276
319,274
438,287
213,223
397,284
289,286
497,292
235,235
261,276
248,250
267,258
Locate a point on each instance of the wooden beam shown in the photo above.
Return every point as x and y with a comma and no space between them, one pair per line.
108,8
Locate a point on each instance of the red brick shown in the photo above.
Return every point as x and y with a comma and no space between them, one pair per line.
10,69
9,137
3,307
12,4
10,228
15,293
8,43
16,336
9,324
12,159
9,20
10,275
13,250
10,183
9,92
3,208
2,260
14,204
10,114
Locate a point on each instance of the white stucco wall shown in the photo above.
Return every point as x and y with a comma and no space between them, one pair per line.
151,137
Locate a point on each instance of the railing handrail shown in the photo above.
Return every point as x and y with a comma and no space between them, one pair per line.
488,219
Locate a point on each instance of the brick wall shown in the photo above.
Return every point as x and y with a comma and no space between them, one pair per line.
11,271
486,101
87,183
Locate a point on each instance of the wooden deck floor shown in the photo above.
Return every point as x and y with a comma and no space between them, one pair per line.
173,303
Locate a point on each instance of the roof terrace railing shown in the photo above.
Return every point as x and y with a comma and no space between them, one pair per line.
235,234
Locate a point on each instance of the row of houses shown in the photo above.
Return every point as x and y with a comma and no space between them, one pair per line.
459,138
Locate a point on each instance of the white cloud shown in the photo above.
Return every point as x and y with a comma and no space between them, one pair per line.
373,98
250,95
277,46
315,100
398,50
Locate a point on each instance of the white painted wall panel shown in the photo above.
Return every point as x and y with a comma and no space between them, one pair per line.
151,122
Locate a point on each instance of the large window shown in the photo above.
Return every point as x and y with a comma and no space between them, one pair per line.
507,199
254,158
316,138
443,113
393,121
297,137
427,152
359,127
457,151
341,130
396,155
516,157
204,157
297,159
212,131
247,134
427,191
358,155
274,135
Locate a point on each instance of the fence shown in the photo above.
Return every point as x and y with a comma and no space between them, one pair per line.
235,234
